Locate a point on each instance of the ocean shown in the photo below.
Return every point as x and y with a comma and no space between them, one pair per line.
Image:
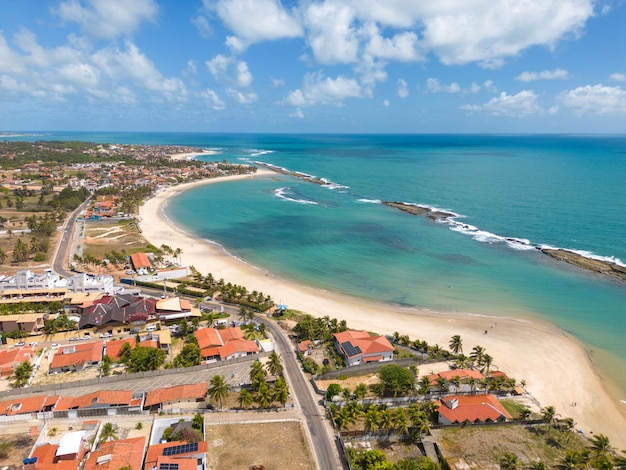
510,194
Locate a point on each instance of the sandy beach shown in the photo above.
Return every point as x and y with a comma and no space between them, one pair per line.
191,155
556,368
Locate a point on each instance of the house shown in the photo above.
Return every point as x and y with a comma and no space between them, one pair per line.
175,308
140,261
66,455
102,402
27,405
305,347
76,357
359,347
28,322
11,358
462,374
123,453
179,455
458,409
225,344
190,393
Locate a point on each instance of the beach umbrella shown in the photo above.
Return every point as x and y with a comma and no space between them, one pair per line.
281,307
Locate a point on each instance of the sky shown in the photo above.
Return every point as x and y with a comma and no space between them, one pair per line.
314,66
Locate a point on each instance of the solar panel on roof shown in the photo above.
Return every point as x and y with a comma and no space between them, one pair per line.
168,466
181,449
350,349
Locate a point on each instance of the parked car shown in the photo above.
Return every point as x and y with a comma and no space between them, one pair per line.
34,343
21,343
55,345
76,338
106,335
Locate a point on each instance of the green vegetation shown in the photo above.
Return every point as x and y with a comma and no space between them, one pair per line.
396,380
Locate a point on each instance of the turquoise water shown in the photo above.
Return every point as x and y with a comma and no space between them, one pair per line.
561,191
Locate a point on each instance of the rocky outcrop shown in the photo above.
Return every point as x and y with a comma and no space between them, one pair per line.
598,266
420,210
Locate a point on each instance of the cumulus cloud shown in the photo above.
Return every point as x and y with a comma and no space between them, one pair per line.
595,99
108,19
230,70
242,97
522,104
433,86
318,89
618,77
297,114
330,32
403,88
254,21
212,99
545,75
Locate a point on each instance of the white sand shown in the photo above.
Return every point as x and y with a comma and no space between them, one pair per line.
191,155
555,367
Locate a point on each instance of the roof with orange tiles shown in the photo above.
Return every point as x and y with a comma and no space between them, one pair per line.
114,347
363,341
173,304
11,358
101,398
117,454
462,374
208,337
46,456
25,405
156,451
238,346
473,408
140,260
182,463
305,345
180,392
83,352
230,334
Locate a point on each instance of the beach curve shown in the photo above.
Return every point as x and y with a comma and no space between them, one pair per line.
519,347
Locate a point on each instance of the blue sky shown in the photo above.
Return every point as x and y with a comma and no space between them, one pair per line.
307,66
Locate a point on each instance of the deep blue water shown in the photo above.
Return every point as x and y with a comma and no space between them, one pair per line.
561,191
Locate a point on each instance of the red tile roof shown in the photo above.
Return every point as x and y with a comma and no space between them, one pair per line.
114,347
25,405
225,343
305,345
366,343
46,459
180,392
121,453
473,408
83,352
462,374
208,337
99,398
13,357
140,260
155,452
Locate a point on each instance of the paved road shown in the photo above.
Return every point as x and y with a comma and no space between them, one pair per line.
58,265
321,438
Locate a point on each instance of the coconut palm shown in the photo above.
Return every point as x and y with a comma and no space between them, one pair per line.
477,355
456,344
108,433
360,391
549,415
424,385
456,381
218,390
509,461
538,466
372,419
400,422
21,374
462,361
280,392
524,413
264,395
600,445
487,360
245,399
274,365
472,382
386,420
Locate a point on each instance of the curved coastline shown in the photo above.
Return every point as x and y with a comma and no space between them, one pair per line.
519,347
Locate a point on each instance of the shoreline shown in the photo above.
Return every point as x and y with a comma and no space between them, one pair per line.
191,155
518,346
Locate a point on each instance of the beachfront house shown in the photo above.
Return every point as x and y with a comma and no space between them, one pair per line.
359,347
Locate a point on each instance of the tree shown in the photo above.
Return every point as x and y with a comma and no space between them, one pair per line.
146,358
538,466
218,390
189,356
125,352
108,433
360,391
21,374
509,461
600,445
371,418
280,391
105,365
20,251
332,391
549,415
3,255
396,380
5,449
245,399
274,365
264,395
456,344
477,355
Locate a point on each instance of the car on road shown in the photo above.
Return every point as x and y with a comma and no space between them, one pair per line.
21,343
34,343
55,345
106,335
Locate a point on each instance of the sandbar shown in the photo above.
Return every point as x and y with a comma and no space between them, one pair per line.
555,366
191,155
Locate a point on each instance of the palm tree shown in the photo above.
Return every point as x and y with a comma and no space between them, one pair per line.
3,255
245,399
538,466
509,461
462,361
372,418
218,390
477,355
274,365
456,381
21,374
281,391
264,395
360,391
600,445
424,385
108,433
487,360
456,344
386,421
471,381
524,413
549,415
400,423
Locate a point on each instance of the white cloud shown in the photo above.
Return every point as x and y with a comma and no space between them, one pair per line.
230,71
521,104
403,88
80,74
386,103
254,21
278,82
545,75
108,19
433,86
401,47
618,77
242,97
474,88
10,62
330,32
318,89
203,26
595,99
297,114
212,99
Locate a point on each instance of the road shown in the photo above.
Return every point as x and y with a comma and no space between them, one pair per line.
321,438
58,265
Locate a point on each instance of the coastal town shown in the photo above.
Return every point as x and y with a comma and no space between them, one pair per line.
123,348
